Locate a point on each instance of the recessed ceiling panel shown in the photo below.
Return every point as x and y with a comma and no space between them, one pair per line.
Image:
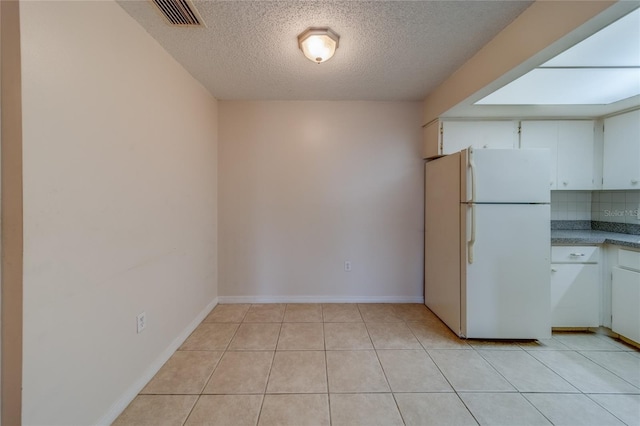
614,46
552,86
602,69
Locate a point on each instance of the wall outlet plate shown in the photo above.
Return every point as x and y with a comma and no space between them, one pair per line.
141,322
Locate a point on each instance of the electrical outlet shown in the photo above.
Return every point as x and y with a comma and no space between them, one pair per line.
141,321
347,266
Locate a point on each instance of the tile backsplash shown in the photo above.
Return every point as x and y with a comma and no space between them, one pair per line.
602,206
615,206
571,205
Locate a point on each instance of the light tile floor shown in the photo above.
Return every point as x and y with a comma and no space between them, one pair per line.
382,364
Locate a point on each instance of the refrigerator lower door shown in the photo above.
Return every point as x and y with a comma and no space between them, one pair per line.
506,290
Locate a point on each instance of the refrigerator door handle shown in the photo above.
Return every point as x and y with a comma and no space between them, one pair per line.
472,240
472,174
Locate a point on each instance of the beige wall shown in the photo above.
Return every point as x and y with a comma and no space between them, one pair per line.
304,186
119,209
11,153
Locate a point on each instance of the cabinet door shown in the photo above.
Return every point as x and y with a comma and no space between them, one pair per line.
431,139
458,135
575,300
575,155
542,134
625,303
621,163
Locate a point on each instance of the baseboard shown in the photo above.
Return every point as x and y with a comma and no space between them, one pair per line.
116,409
319,299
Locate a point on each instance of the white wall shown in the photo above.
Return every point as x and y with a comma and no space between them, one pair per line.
119,208
304,186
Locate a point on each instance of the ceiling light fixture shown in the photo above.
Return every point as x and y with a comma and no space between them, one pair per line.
318,43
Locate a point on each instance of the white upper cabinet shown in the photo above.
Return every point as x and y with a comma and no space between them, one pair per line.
575,155
458,135
542,134
571,144
621,162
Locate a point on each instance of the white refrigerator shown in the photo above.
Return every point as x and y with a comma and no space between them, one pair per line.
488,243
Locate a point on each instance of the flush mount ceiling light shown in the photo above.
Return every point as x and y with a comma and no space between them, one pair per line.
318,43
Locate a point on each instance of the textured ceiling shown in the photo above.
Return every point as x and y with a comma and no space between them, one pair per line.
389,50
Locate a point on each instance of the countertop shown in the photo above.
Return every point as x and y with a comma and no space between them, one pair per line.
587,236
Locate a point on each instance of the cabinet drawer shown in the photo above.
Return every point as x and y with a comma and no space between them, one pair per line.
629,259
574,254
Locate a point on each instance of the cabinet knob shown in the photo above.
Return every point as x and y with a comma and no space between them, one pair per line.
554,270
485,146
550,183
565,183
634,181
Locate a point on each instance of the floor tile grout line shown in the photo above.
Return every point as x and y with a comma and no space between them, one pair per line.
467,407
212,371
266,385
552,369
535,407
264,394
224,351
479,349
607,369
605,337
455,391
373,346
605,408
495,369
416,337
245,314
513,384
186,419
593,362
390,388
326,366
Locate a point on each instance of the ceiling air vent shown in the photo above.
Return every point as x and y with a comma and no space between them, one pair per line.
179,12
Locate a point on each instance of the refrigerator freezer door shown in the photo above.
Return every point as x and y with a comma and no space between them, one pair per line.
508,175
442,239
507,286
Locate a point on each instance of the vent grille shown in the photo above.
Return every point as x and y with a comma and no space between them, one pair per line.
179,12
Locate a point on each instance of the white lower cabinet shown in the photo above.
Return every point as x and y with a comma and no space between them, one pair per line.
575,286
625,295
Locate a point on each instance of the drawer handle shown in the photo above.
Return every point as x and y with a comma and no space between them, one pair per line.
577,255
634,181
554,270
